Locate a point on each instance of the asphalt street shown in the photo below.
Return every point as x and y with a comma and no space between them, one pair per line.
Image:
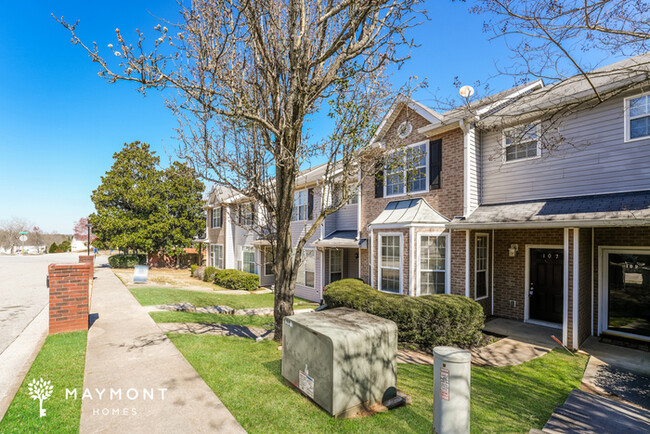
23,291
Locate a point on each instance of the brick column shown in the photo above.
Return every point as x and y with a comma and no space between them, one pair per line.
68,284
85,259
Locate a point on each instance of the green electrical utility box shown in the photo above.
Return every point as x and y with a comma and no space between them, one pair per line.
340,358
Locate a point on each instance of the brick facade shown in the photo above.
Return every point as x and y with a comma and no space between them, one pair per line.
69,296
447,200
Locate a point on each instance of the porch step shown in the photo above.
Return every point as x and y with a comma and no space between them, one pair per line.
586,413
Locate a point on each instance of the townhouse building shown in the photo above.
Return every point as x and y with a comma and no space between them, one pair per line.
553,232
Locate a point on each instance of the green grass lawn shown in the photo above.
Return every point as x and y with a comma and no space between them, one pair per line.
214,318
152,296
246,376
61,361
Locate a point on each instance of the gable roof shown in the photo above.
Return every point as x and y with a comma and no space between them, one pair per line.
404,101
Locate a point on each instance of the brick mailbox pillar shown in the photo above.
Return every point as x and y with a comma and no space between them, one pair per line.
69,294
84,259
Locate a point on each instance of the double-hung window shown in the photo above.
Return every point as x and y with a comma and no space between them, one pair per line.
216,256
336,265
521,143
248,259
406,171
307,268
268,261
246,214
216,217
637,117
300,206
390,263
433,264
481,259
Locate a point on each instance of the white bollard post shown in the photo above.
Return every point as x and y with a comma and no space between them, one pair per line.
451,390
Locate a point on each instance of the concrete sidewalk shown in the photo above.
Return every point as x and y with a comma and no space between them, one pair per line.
128,353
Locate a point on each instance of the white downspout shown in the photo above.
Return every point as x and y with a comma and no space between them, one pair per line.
492,284
372,258
467,263
465,130
592,281
411,261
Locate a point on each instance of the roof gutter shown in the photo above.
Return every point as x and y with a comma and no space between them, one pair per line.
550,224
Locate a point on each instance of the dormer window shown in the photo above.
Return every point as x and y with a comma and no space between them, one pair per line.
521,143
637,117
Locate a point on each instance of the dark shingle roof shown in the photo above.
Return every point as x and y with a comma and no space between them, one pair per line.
615,208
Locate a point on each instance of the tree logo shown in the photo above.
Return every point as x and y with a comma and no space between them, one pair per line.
40,390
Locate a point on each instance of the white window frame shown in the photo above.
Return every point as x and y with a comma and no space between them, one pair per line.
295,211
603,286
330,263
265,252
401,261
538,152
626,128
212,260
487,264
304,269
405,170
246,221
447,260
212,214
247,249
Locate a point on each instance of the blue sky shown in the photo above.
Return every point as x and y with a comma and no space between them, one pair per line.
60,123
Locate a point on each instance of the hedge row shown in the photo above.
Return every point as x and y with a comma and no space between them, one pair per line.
426,321
127,261
235,279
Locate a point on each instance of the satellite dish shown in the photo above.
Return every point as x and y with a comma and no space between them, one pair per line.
466,91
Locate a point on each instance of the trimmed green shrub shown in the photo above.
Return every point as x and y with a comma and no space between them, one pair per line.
64,246
193,268
427,321
209,274
235,279
127,261
53,248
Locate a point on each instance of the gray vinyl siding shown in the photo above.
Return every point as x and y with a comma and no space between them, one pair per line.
474,169
595,160
298,229
345,219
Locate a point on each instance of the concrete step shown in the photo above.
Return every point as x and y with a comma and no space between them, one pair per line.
586,413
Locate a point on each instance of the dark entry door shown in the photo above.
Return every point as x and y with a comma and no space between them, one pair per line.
546,284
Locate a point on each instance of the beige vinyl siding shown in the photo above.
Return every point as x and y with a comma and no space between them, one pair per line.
597,161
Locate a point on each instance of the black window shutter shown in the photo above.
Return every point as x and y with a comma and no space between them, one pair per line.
379,181
435,163
252,213
221,216
310,204
211,217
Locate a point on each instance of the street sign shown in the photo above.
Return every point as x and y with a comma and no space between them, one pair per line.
23,238
23,233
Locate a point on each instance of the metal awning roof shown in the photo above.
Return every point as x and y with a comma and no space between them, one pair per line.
408,212
616,209
341,240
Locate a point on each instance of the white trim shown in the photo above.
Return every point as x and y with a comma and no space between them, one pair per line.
592,280
603,274
467,263
212,218
576,283
487,264
545,323
405,170
492,275
264,261
504,146
223,257
565,297
407,225
528,248
626,109
447,236
372,258
329,263
550,224
411,257
304,249
293,206
401,261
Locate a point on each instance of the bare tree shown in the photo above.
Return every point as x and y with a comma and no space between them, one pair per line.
248,78
11,230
